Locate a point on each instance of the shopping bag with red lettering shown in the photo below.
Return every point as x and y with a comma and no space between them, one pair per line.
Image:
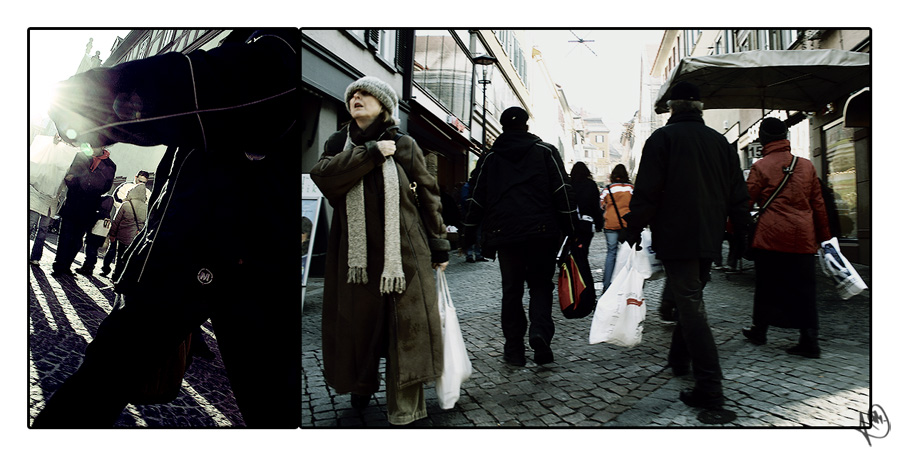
619,316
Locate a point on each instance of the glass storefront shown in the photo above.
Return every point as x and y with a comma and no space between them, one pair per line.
840,158
443,68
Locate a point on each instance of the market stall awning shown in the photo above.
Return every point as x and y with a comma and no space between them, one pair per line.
783,80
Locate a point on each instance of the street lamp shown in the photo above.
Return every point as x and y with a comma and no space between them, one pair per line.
485,61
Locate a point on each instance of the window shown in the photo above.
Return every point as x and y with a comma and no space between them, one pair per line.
443,69
599,139
387,44
840,163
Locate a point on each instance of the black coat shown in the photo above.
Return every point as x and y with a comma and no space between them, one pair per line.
587,200
84,188
228,177
519,192
688,182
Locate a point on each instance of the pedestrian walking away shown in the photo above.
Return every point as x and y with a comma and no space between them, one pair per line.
586,196
119,195
204,252
522,199
615,202
689,181
787,237
387,234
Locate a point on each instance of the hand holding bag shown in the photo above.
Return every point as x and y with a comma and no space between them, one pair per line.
620,312
847,281
457,366
576,297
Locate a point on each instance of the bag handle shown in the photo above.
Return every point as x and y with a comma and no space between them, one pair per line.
787,174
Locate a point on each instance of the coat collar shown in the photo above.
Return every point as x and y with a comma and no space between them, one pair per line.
776,146
686,117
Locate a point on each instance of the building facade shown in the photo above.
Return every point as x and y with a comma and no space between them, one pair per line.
836,138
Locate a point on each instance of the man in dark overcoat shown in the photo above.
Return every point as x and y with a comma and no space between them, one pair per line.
689,181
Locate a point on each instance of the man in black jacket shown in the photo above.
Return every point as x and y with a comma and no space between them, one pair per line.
88,178
688,183
203,253
522,199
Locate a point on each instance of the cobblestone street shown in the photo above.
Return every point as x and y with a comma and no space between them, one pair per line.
609,386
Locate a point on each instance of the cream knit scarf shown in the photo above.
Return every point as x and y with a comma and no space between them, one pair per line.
392,278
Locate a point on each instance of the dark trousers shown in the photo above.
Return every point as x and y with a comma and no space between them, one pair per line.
259,345
71,238
92,244
533,263
110,256
692,339
43,228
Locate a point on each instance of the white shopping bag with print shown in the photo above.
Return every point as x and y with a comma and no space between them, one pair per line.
846,279
620,312
457,366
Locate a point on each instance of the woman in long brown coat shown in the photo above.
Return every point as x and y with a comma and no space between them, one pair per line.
787,238
387,234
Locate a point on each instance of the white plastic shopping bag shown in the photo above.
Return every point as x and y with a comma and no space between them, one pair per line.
620,312
846,279
457,366
656,267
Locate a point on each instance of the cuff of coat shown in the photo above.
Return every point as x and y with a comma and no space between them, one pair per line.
440,250
375,153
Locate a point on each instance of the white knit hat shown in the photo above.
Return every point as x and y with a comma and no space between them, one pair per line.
378,88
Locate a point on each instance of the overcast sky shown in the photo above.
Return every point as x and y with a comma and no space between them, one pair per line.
605,84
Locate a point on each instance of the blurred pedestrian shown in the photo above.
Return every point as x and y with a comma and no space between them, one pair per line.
473,241
46,187
586,197
89,177
204,252
788,235
523,202
129,220
615,201
688,183
386,235
119,197
96,236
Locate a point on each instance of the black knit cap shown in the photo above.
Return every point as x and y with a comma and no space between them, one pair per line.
685,91
514,117
772,129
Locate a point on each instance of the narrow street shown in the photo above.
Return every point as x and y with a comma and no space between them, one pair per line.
608,386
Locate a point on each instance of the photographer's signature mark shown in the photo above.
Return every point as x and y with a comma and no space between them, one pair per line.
876,425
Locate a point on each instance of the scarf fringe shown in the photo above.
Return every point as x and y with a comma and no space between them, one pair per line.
357,275
395,284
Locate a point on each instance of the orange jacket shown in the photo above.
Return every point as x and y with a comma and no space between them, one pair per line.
796,220
622,193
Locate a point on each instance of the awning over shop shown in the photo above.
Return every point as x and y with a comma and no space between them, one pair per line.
783,80
858,109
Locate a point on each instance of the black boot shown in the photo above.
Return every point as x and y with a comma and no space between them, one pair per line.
360,401
808,345
756,334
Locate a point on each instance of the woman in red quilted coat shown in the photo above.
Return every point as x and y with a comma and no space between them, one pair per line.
786,241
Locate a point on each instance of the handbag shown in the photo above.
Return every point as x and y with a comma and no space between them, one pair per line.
457,366
846,279
576,297
101,227
620,312
750,233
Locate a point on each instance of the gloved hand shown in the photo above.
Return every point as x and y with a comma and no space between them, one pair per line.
632,237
